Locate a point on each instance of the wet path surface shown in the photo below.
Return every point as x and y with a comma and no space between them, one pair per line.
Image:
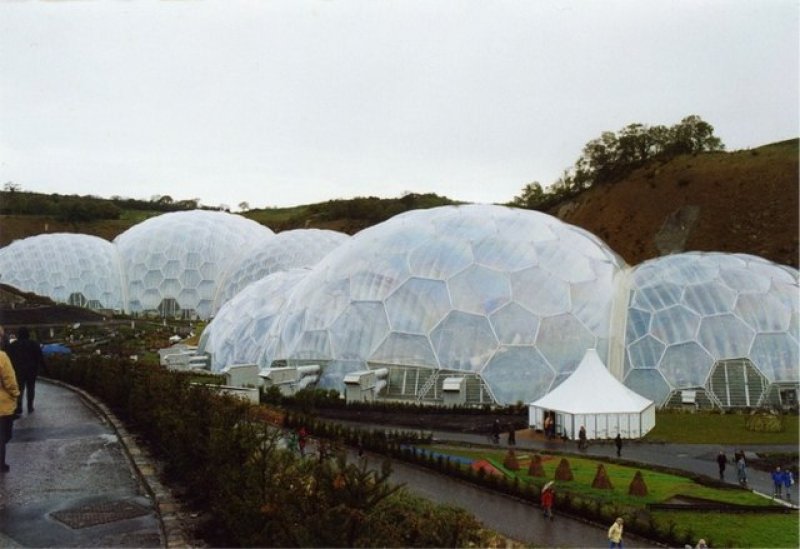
71,484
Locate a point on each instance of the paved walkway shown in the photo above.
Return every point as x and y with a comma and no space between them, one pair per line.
76,480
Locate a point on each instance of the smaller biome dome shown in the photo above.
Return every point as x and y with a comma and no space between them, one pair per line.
697,319
76,269
238,334
174,262
512,297
300,248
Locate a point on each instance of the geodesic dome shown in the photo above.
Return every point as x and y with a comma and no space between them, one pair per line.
725,323
238,333
511,297
77,269
174,262
286,250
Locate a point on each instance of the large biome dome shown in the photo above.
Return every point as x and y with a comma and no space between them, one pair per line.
238,333
77,269
174,262
724,324
300,248
508,298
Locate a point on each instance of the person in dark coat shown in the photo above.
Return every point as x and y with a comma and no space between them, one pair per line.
722,461
512,435
618,444
27,359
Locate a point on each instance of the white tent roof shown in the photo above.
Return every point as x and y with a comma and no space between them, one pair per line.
591,389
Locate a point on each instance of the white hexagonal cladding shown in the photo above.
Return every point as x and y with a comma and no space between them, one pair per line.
182,256
66,267
705,308
300,248
237,334
442,289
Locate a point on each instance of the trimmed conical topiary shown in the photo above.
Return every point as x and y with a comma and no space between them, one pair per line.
511,463
637,486
535,469
564,471
601,479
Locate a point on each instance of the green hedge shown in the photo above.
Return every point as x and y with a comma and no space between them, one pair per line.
252,490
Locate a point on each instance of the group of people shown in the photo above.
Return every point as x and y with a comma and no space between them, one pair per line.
782,478
497,430
738,460
21,360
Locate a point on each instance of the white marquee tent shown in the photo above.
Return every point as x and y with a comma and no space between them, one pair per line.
592,397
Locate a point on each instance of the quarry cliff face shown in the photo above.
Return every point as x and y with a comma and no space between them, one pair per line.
740,202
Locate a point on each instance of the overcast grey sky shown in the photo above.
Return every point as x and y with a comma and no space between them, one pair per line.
280,103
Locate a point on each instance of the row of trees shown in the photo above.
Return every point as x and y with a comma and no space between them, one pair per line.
612,156
82,209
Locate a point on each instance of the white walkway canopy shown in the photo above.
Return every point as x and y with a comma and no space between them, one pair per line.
592,397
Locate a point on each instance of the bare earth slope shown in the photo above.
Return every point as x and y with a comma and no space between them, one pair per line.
745,201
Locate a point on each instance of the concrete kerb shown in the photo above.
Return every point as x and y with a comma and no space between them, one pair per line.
172,534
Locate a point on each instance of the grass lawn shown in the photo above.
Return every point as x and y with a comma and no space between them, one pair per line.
705,428
737,529
661,486
745,529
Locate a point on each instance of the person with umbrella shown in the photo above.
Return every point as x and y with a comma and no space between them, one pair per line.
546,499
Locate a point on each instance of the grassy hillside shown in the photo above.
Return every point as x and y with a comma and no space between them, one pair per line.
743,201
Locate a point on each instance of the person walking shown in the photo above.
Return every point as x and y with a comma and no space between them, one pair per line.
4,341
302,437
496,431
9,393
546,500
582,438
512,435
777,482
722,461
618,444
615,534
27,359
788,481
741,469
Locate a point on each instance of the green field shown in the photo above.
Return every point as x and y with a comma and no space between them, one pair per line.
713,428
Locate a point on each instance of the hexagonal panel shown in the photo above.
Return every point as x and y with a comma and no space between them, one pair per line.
710,298
649,383
777,357
463,341
440,258
655,298
405,350
518,374
504,254
479,290
563,341
418,305
646,352
359,330
763,312
540,292
725,336
638,324
675,325
686,365
515,325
